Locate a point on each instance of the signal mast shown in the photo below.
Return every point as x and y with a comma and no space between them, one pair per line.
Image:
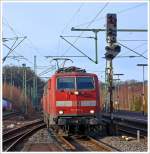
112,50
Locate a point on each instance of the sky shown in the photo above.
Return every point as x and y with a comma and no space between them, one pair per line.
43,23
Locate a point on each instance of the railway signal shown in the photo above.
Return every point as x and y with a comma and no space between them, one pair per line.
111,31
112,50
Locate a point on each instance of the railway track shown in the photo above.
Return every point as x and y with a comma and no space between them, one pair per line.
131,132
87,143
126,124
10,115
15,136
81,143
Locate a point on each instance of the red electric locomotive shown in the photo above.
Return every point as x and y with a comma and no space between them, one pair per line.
71,100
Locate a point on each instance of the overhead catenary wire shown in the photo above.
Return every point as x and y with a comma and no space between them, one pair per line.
11,48
133,40
24,58
71,19
35,49
33,46
145,51
132,50
29,40
10,27
47,70
90,37
77,49
118,12
140,45
99,12
14,32
68,23
11,38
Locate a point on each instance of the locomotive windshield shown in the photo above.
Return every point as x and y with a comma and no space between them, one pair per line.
85,83
66,83
70,83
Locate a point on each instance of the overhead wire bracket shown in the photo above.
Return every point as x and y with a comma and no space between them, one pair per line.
95,61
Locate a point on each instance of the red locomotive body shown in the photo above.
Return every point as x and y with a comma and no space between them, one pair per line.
71,98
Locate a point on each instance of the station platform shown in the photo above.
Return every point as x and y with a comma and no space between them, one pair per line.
127,115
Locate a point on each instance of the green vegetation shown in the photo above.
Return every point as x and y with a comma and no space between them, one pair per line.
136,105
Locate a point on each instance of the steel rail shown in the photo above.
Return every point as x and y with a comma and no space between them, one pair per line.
97,145
9,115
103,145
32,130
131,131
61,140
12,131
72,147
11,136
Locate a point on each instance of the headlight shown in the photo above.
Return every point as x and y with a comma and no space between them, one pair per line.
76,93
92,111
61,112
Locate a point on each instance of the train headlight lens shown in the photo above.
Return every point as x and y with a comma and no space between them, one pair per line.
92,111
61,112
76,93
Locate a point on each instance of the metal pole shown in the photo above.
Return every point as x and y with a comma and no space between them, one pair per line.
33,92
129,97
103,30
96,48
37,104
109,82
35,85
138,135
143,92
118,93
106,90
25,89
11,85
118,74
111,87
23,86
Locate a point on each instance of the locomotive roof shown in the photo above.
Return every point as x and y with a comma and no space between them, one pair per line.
73,74
70,69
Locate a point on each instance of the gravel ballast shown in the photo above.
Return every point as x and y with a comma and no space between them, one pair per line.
120,143
43,137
